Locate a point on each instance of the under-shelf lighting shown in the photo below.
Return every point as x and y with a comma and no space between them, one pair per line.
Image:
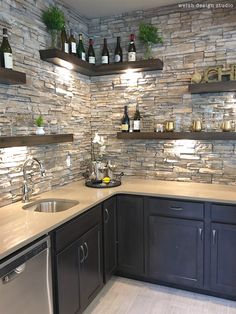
66,64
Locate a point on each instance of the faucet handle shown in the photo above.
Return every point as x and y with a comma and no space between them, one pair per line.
42,170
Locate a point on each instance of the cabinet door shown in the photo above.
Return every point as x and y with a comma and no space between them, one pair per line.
223,257
110,241
130,234
68,280
90,265
175,250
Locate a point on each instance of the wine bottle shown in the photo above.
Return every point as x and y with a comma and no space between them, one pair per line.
6,52
125,121
91,53
118,52
80,49
137,119
131,49
64,40
105,53
72,43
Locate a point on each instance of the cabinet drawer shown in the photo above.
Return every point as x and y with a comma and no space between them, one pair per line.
223,213
175,208
75,228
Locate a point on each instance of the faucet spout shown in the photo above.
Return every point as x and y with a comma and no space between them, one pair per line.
26,189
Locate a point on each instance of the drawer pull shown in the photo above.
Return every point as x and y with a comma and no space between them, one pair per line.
83,257
176,208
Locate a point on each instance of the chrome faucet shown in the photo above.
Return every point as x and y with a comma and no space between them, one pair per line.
26,190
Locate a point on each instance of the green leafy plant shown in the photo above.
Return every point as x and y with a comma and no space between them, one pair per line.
53,18
39,121
148,34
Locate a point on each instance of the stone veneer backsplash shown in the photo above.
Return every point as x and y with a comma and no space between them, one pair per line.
61,96
72,103
193,39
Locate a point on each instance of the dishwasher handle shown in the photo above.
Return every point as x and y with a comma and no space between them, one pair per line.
14,266
13,274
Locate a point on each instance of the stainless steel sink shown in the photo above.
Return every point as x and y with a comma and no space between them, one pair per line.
50,205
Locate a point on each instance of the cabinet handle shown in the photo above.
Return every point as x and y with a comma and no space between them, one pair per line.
176,208
106,215
214,236
87,250
83,257
200,231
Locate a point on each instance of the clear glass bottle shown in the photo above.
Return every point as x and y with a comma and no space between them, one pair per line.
137,119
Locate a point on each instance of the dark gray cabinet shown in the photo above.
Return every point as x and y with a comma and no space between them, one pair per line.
174,241
175,250
223,257
110,237
177,242
130,226
67,265
78,263
90,274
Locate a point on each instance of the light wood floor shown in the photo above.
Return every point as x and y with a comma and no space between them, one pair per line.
125,296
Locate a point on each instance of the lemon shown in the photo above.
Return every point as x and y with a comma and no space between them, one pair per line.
106,180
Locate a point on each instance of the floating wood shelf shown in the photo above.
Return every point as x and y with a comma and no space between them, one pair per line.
11,77
177,135
33,140
71,62
216,87
136,66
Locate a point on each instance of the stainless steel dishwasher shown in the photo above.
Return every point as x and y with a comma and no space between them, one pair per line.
25,285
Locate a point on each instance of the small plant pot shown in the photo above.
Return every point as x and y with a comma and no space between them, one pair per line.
40,130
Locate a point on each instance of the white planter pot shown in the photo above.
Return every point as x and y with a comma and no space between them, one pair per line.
40,130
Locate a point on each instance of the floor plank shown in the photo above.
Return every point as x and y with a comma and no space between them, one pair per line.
126,296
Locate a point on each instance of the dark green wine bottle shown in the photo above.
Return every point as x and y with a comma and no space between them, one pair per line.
6,52
64,40
125,121
91,53
105,53
80,49
118,52
72,43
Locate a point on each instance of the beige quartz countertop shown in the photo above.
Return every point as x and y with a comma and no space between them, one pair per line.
19,227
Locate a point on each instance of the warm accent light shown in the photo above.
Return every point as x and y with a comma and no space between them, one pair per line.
9,154
63,73
184,147
131,76
66,64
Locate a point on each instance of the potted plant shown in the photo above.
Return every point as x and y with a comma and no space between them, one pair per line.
39,123
54,19
148,34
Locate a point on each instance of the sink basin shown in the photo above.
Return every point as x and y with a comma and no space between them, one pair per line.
50,205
